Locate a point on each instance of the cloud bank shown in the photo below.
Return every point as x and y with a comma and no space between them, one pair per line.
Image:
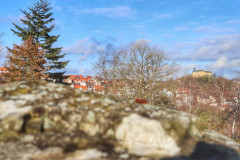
219,54
84,48
82,54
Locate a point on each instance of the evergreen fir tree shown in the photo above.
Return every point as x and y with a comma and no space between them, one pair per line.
38,23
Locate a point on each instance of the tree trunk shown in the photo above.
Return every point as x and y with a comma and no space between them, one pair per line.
233,124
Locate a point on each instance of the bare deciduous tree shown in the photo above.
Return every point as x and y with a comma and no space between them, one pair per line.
107,69
141,67
221,89
236,107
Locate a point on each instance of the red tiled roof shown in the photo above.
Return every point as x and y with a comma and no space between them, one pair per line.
80,86
75,86
3,69
84,87
78,78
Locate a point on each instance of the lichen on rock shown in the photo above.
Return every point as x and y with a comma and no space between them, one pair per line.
41,120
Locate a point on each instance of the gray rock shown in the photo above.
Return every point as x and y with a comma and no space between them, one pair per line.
41,120
146,137
213,137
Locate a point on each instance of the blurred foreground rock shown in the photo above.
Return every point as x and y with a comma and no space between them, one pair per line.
47,121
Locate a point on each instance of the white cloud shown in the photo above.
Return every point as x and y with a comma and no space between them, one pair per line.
82,54
219,54
113,12
222,62
215,47
225,66
84,48
207,49
213,29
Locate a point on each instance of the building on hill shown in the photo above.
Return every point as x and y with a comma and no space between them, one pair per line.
201,73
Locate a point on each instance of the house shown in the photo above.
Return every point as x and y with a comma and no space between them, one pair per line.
201,73
207,100
3,70
203,100
182,92
183,97
72,78
168,93
77,85
88,83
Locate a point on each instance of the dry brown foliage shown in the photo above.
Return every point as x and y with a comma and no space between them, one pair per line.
25,62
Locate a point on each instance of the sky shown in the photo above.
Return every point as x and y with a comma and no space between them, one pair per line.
201,34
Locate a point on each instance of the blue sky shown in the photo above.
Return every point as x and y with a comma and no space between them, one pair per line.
196,33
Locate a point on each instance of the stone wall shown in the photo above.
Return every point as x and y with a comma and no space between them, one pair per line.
40,120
